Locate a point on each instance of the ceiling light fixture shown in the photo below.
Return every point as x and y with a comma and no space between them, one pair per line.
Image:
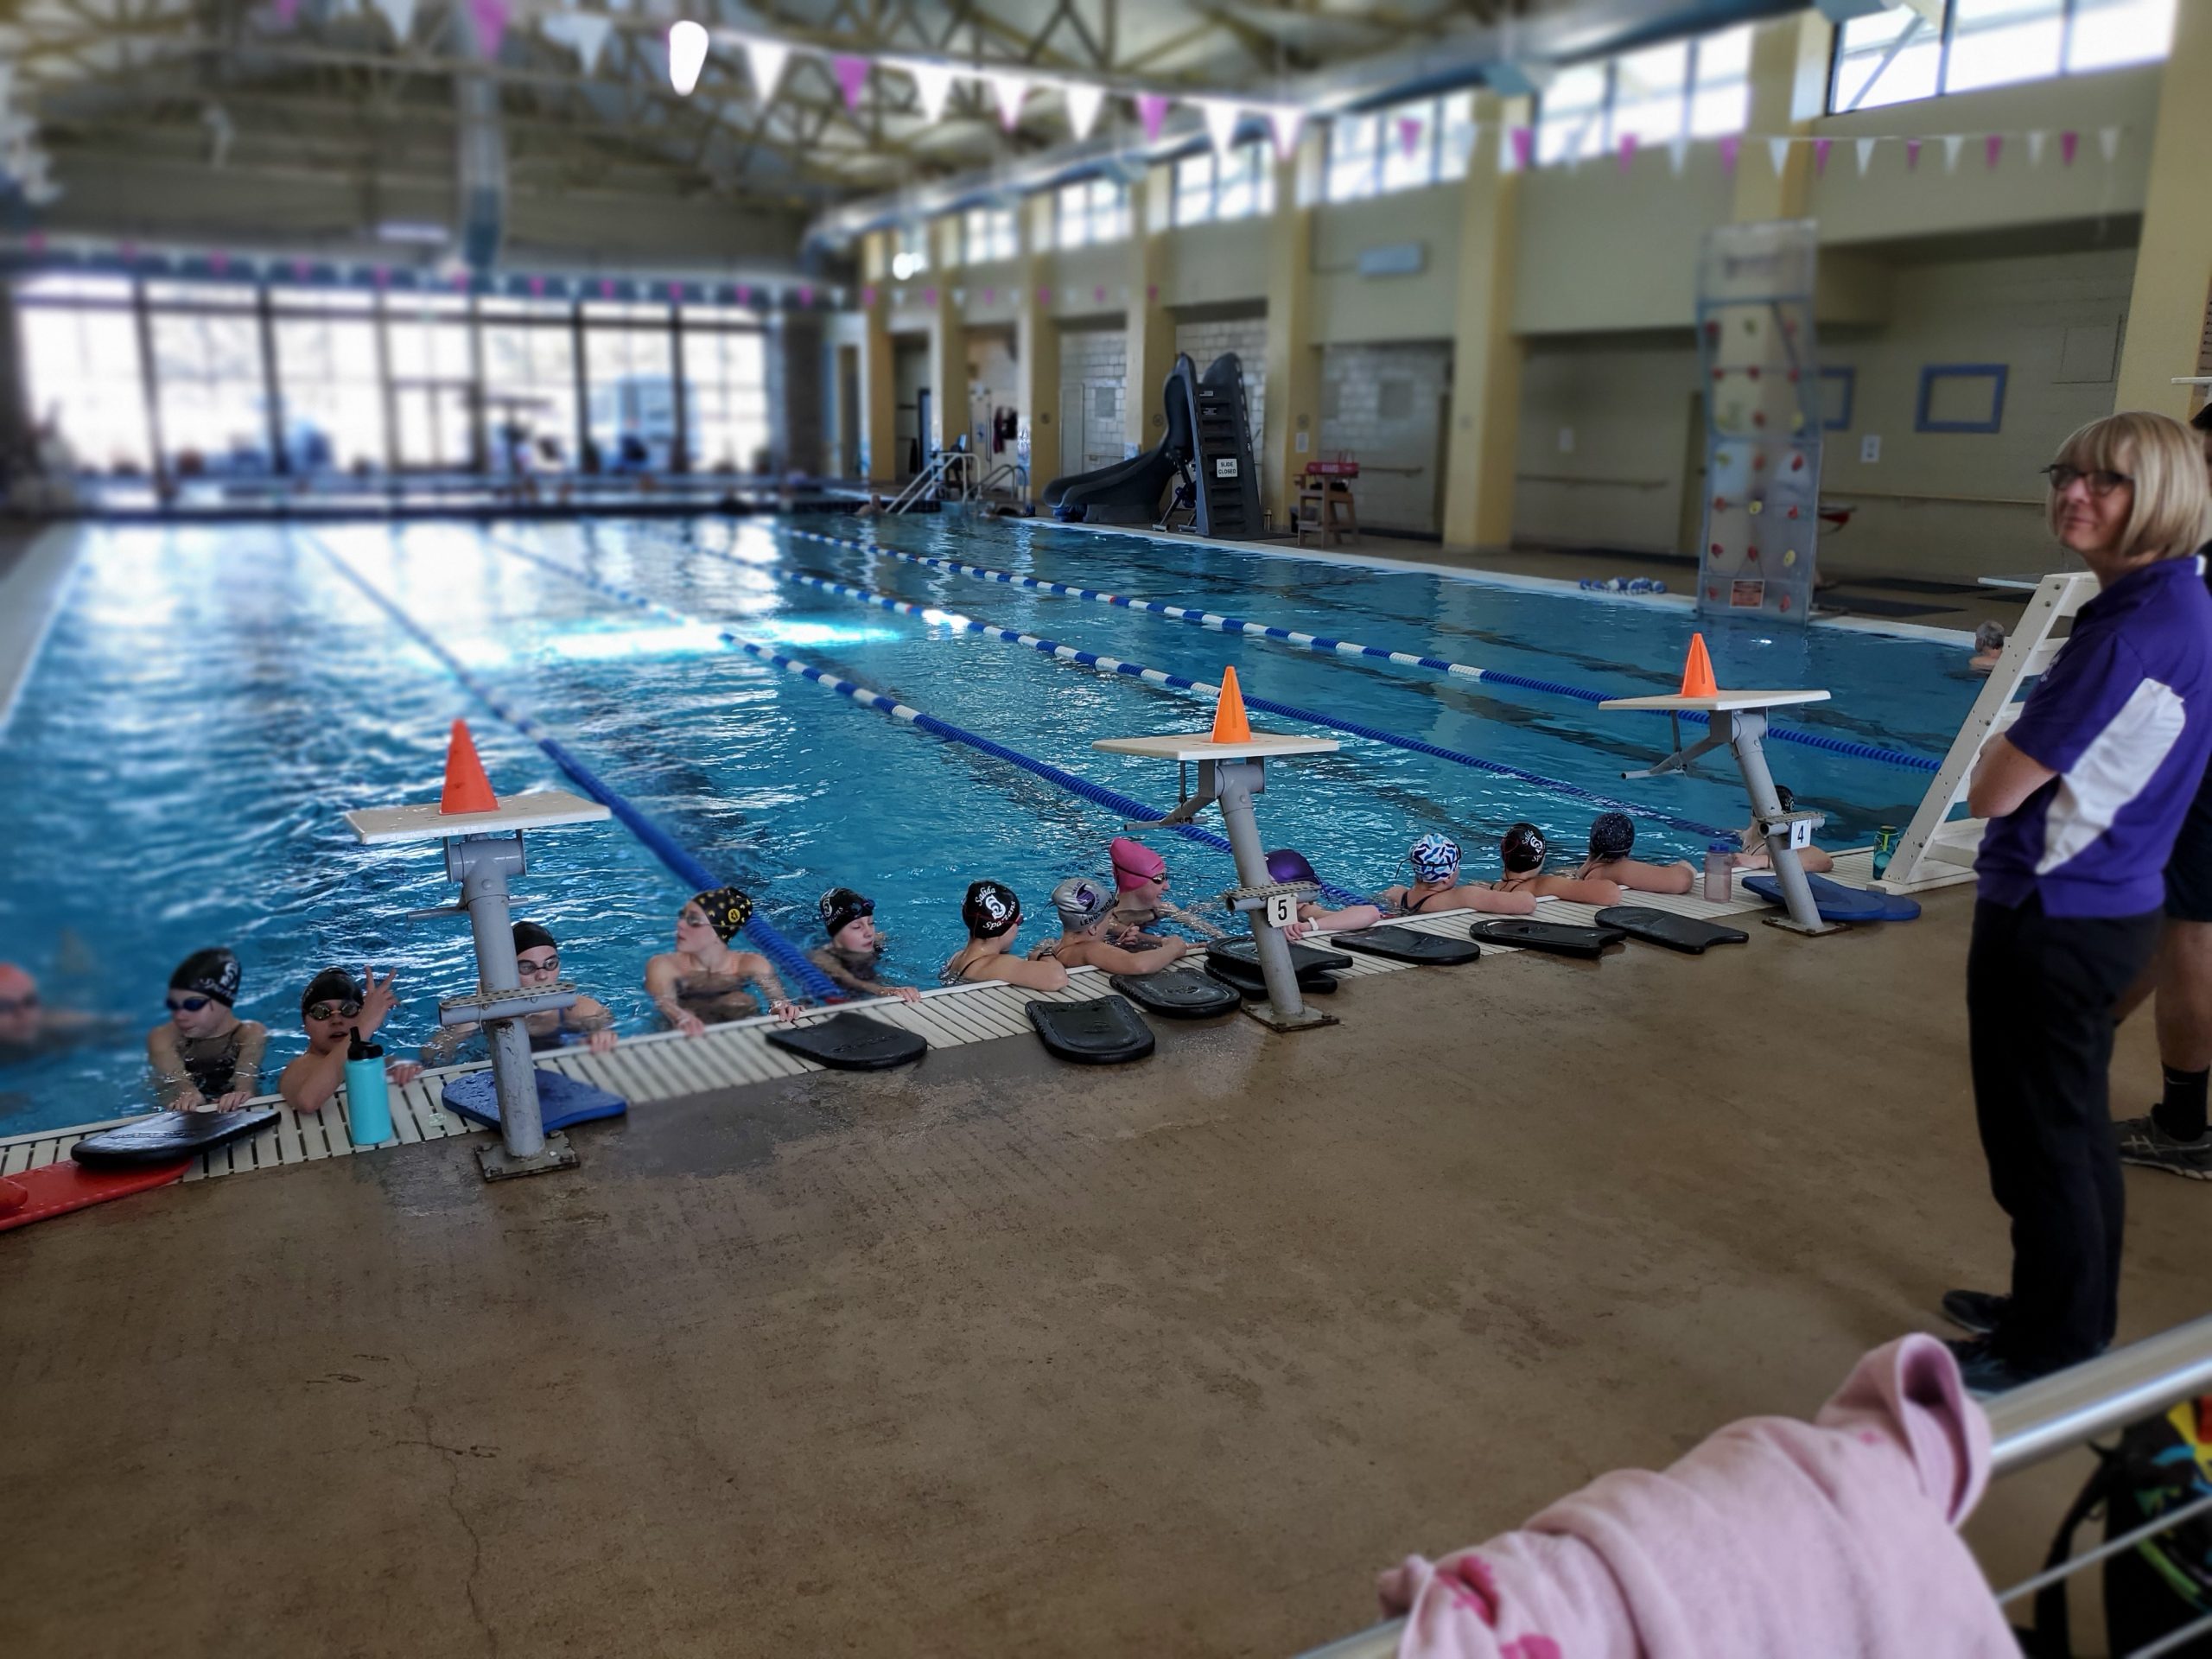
687,56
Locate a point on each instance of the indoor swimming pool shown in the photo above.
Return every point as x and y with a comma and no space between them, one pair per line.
210,700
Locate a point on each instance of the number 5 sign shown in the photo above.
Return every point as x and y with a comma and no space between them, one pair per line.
1282,909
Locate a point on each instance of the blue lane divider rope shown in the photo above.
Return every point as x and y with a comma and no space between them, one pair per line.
1126,806
1266,705
759,931
1329,647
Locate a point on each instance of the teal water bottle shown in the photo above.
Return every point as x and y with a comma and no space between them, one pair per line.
368,1108
1885,842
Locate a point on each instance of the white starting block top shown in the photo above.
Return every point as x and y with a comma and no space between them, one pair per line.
540,809
1199,746
1721,703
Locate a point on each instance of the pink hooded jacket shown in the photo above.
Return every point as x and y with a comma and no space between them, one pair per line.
1831,1540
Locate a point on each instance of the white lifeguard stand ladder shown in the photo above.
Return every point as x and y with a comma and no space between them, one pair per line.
1937,850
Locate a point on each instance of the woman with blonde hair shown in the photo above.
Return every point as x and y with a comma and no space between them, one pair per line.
2084,794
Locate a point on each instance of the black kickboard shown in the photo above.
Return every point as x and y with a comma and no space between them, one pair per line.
1685,933
167,1136
1405,944
851,1042
1105,1030
1177,993
1557,938
1245,952
1253,983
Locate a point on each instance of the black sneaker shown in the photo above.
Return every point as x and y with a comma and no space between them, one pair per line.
1985,1371
2142,1142
1978,1312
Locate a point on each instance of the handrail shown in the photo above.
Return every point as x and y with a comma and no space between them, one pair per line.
2026,1425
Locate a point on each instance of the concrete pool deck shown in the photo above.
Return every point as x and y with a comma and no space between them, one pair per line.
999,1355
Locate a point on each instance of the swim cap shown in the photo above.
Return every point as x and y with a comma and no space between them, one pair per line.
528,935
841,907
989,909
208,973
1134,863
332,984
1082,902
1435,857
1523,848
1612,835
726,908
1286,864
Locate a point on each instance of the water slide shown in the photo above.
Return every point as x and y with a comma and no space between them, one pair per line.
1207,436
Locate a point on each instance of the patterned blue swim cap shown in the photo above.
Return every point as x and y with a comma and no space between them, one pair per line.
1435,857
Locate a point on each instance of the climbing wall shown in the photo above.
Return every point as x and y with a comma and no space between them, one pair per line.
1757,349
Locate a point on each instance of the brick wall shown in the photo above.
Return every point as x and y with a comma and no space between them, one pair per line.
1094,381
1385,405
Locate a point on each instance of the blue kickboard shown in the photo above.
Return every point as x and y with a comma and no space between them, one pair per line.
561,1100
1838,903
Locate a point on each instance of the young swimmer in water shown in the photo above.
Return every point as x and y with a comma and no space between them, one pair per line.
1612,837
1522,848
1755,855
1141,885
1435,859
1988,648
205,1058
994,916
537,967
1083,905
29,1025
333,1007
855,947
1284,864
702,981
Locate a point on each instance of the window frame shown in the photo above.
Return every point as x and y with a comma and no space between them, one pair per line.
2069,15
1603,115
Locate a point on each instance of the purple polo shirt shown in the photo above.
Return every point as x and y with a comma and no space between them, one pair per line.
2124,716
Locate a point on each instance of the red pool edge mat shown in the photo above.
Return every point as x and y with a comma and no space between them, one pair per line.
56,1189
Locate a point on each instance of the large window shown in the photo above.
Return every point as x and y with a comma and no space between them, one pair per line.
1403,147
1893,56
725,396
1095,211
631,361
988,233
433,381
207,365
1240,185
1695,89
530,384
331,376
80,353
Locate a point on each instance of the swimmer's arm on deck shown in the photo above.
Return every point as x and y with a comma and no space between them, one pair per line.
1019,970
1115,960
1495,903
1177,913
310,1080
172,1087
846,978
660,986
445,1043
758,969
245,1072
593,1019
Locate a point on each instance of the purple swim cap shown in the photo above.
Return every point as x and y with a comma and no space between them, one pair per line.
1286,864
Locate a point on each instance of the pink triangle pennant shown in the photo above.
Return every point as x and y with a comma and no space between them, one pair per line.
1731,149
852,79
1993,146
1627,152
1524,148
1912,155
805,294
1409,136
2068,144
288,11
867,296
745,293
1152,111
537,288
1820,148
491,18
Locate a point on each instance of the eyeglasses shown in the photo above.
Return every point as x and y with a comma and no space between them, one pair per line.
189,1004
332,1010
547,965
2100,480
23,1004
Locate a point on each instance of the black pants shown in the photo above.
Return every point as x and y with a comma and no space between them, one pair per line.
2040,994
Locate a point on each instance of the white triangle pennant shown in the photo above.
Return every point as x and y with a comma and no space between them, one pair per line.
1083,100
400,14
1009,89
932,89
584,32
2108,144
1222,119
1287,121
1777,151
1866,152
1678,154
1953,144
766,58
2036,138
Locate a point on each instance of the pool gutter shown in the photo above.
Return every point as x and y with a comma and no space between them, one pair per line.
30,598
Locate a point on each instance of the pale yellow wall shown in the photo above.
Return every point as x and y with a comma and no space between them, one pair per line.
1216,264
1349,307
1625,400
2172,334
1599,248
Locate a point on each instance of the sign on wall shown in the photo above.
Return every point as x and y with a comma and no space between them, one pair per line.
1757,352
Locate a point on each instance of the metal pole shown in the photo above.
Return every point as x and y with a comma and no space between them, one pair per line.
1746,728
482,866
1234,782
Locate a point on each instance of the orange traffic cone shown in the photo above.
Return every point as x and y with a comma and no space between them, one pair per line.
467,789
1697,671
1230,725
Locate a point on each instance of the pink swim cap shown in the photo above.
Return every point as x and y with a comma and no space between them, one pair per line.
1134,863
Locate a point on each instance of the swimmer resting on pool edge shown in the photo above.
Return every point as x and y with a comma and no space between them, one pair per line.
1435,859
993,914
1612,837
855,949
1084,905
1523,848
1286,864
333,1007
702,981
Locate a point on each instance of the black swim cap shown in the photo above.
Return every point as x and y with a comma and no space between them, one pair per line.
208,973
332,985
990,908
528,935
841,907
1523,848
728,910
1612,835
1788,801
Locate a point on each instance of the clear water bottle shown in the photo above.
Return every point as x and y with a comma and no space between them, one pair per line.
1719,860
1885,842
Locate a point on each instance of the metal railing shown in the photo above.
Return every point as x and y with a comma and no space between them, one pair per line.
950,475
2028,1425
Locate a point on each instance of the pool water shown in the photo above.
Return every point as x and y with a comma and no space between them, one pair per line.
209,701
